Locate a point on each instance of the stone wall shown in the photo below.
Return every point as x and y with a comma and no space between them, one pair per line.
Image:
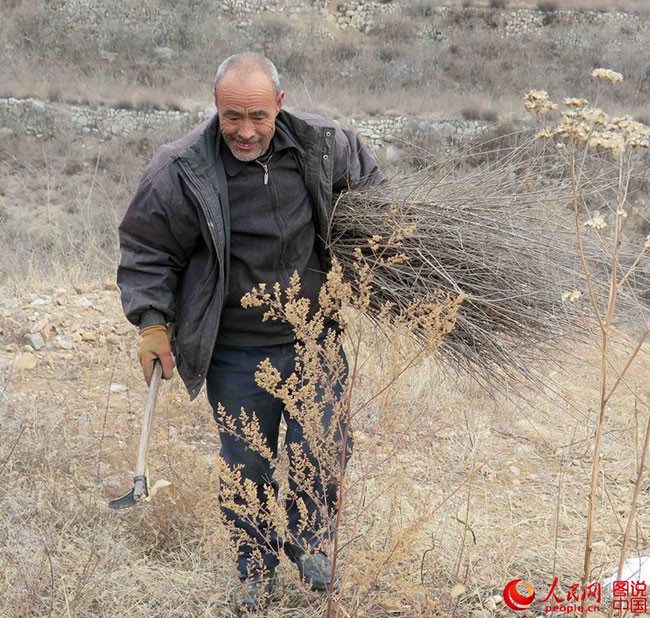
523,21
359,15
243,8
381,131
362,15
39,119
445,22
29,116
80,13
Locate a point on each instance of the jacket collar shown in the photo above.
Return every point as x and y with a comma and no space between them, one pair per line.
280,141
303,134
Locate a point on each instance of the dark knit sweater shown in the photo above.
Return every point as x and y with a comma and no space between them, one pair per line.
272,234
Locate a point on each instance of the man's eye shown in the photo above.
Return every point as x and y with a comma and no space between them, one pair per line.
259,118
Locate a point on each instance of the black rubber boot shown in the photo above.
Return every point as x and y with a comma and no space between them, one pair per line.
252,593
315,569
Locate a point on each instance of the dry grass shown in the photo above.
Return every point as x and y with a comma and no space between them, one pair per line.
469,493
472,493
583,128
468,496
478,475
587,5
61,202
52,56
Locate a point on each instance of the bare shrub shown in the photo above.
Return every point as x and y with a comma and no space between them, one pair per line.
345,51
476,109
474,59
421,8
393,29
547,5
67,231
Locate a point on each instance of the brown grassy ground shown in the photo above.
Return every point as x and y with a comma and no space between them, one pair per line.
61,202
472,492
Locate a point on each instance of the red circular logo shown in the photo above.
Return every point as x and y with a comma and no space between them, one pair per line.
513,599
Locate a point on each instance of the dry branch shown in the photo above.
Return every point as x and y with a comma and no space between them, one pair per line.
501,233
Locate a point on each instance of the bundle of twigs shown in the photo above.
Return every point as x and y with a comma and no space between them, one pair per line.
502,233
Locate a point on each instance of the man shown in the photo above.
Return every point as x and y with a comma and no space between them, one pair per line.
244,198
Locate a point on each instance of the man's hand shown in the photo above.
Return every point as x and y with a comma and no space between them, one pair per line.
155,344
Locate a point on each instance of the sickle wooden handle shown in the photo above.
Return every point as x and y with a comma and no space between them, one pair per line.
148,418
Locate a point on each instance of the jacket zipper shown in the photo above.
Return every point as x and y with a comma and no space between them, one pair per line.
266,169
278,219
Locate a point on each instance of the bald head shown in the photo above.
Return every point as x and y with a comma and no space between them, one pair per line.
246,64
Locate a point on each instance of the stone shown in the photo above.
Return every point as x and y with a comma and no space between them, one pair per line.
393,153
108,56
36,341
124,329
26,361
42,324
163,53
446,129
117,388
17,110
63,342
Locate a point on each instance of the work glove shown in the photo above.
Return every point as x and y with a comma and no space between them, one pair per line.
155,344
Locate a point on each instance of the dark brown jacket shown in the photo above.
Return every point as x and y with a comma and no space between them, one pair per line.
174,237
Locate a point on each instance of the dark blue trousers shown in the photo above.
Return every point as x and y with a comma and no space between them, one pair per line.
231,381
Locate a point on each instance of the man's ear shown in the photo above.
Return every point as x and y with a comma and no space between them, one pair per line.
279,102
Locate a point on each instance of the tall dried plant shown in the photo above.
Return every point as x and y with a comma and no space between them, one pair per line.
585,131
310,390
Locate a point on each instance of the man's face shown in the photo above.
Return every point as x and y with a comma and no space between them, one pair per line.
247,107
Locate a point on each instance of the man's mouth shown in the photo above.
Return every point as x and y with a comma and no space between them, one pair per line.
249,146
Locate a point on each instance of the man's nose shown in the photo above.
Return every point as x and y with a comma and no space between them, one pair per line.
246,131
